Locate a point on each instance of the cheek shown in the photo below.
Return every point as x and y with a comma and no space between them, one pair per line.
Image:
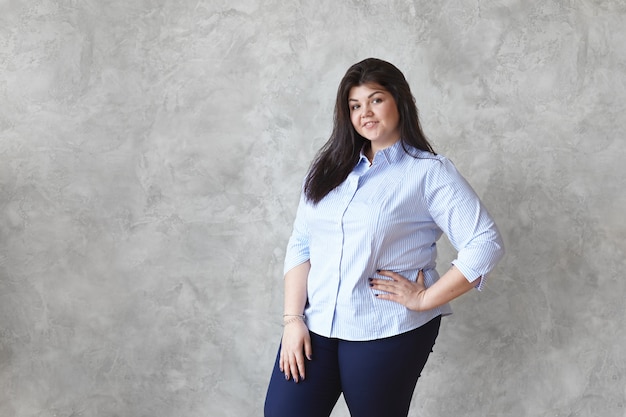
394,117
355,121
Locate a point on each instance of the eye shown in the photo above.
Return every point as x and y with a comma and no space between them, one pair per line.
377,100
354,107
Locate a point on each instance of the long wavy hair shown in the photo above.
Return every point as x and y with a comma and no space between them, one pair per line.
336,159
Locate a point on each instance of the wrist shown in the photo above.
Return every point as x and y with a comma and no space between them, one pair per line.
427,301
292,318
289,315
423,301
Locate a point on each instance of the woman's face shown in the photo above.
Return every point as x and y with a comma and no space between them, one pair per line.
374,115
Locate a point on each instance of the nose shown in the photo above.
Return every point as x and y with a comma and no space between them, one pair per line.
367,111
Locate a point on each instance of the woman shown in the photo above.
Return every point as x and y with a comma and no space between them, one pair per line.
363,300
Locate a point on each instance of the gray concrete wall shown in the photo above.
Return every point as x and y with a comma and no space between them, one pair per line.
151,153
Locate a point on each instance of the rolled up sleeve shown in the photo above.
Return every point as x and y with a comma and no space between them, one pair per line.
460,214
298,246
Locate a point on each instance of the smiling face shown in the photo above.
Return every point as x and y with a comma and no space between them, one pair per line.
374,115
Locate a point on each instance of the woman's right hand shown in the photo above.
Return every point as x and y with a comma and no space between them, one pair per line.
296,344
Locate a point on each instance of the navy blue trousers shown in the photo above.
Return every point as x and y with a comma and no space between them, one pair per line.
377,378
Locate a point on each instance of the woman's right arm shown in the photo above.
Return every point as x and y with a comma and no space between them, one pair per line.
296,342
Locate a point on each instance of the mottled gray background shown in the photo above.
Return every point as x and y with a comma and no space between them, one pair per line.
151,154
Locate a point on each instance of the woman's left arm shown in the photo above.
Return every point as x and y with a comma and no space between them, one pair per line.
459,213
457,210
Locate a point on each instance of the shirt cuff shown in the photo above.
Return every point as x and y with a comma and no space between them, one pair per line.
294,261
471,275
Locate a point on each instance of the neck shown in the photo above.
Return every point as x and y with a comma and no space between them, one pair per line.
369,153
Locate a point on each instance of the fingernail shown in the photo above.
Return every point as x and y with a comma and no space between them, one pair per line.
287,377
378,270
370,279
371,285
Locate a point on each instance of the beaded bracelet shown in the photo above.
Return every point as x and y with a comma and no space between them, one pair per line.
294,315
294,318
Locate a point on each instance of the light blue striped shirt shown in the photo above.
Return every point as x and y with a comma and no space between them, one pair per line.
387,216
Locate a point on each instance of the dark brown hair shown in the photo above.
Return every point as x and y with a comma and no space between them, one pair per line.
336,159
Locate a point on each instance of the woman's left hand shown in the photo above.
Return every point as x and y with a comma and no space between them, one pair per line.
401,290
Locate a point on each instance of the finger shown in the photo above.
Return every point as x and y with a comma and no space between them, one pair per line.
386,273
300,361
293,367
384,285
308,348
285,368
388,296
420,276
393,275
285,365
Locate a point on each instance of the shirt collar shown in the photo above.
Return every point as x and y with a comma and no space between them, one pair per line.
391,154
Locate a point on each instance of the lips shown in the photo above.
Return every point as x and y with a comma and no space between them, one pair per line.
369,125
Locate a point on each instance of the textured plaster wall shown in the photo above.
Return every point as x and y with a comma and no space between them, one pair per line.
151,153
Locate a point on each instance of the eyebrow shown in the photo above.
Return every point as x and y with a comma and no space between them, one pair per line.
370,96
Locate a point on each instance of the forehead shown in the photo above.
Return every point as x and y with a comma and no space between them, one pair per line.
364,90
